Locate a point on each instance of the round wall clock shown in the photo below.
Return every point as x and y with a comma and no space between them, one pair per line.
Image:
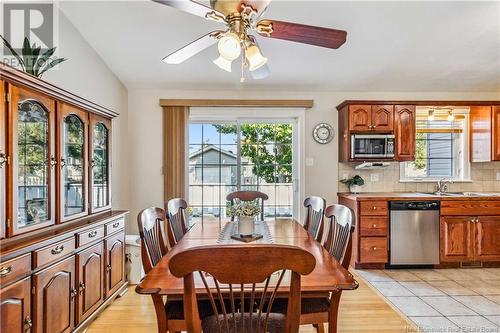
323,133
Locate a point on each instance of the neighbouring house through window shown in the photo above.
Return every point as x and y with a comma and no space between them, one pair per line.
441,146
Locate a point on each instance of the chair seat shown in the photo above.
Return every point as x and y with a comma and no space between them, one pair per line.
275,324
175,309
307,305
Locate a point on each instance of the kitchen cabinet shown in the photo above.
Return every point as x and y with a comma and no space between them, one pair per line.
31,173
89,267
480,133
72,158
115,261
3,159
15,307
405,132
456,239
368,118
496,134
382,118
54,298
487,241
360,118
100,163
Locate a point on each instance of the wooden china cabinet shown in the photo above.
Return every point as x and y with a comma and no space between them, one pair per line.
62,246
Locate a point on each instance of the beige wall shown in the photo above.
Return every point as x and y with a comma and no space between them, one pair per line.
86,74
145,132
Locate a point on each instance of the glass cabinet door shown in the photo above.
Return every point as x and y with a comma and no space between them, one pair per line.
31,172
3,160
73,161
100,143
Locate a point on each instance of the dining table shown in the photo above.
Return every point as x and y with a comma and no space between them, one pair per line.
328,275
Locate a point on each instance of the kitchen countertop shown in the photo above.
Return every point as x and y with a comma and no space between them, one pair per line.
416,196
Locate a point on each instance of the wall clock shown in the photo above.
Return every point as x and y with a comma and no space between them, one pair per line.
323,133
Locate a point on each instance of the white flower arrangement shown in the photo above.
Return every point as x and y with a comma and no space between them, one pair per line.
247,208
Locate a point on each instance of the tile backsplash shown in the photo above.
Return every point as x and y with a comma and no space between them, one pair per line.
483,179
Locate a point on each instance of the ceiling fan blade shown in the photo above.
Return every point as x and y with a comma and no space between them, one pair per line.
191,7
192,48
307,34
261,72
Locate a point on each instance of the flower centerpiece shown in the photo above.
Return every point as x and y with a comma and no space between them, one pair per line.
246,212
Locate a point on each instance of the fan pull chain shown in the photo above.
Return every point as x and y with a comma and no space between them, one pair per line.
243,64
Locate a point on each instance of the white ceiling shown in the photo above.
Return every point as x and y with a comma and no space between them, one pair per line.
392,46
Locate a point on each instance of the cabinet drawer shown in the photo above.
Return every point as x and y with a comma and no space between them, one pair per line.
114,226
14,269
53,252
373,225
373,208
373,250
468,208
88,236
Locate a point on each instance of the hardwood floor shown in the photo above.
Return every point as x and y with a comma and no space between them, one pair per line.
361,310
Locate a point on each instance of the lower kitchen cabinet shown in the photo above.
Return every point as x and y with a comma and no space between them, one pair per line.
115,261
54,298
90,273
487,238
15,307
456,238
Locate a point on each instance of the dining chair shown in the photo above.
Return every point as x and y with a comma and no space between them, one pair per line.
177,222
239,196
250,277
169,314
338,242
314,217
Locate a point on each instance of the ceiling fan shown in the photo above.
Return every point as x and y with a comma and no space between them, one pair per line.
242,17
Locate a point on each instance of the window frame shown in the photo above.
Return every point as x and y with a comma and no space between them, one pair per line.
465,177
295,116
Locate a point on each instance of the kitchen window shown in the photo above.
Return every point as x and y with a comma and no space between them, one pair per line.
442,142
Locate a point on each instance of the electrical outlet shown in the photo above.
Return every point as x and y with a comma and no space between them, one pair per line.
309,161
498,175
374,177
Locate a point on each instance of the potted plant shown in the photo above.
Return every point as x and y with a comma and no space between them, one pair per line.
246,212
354,183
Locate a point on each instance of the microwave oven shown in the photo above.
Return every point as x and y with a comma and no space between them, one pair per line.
372,146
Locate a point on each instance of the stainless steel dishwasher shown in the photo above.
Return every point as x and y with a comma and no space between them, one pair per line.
414,232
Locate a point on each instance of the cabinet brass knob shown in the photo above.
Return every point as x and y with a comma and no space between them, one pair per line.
374,225
57,250
92,234
4,159
108,268
28,323
73,293
4,271
374,208
374,248
116,225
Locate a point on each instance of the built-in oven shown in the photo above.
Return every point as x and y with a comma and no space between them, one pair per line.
372,146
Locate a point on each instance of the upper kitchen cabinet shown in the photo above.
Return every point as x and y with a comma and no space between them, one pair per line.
100,163
369,118
3,159
31,150
496,133
405,131
480,133
72,159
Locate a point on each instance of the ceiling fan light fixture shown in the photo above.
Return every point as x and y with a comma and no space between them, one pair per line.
254,57
223,63
430,117
229,46
451,117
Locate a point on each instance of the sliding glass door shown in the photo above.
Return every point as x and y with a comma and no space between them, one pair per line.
241,155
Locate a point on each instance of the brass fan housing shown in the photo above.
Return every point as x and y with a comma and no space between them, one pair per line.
227,7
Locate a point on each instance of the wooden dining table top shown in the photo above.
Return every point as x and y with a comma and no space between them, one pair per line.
328,274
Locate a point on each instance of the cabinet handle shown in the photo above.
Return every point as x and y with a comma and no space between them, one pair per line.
477,219
4,271
92,234
82,287
28,323
53,161
374,208
57,250
63,162
374,225
73,293
108,268
374,248
374,126
116,225
4,159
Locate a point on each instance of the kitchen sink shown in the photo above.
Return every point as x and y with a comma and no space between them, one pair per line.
466,194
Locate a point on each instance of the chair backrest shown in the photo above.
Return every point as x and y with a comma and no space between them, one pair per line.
339,238
314,217
176,216
247,275
239,196
153,247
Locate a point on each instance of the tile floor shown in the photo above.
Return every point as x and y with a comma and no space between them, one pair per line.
442,300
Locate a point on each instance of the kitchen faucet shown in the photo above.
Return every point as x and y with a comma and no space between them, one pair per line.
442,185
